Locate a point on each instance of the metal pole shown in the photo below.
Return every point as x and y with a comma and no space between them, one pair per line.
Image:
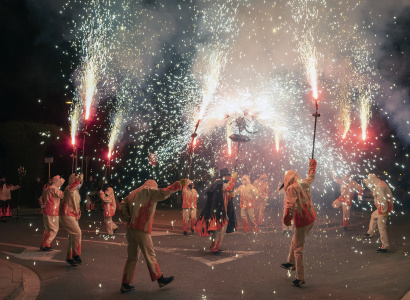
82,159
316,115
190,150
237,157
18,203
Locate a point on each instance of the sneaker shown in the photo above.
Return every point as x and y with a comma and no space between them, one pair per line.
163,281
216,252
367,236
185,233
297,282
381,250
345,229
77,259
71,262
288,266
125,287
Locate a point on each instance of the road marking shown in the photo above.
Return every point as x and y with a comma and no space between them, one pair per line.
33,253
209,262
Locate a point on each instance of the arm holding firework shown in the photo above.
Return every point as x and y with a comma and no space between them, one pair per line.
311,174
298,197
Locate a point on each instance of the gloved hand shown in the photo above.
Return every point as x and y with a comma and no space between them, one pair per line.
234,175
183,182
312,162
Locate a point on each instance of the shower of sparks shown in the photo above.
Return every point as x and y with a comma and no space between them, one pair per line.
75,117
365,110
308,57
115,130
158,69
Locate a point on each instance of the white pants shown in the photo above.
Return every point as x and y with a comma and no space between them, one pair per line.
297,245
140,241
188,214
74,236
346,211
111,226
51,227
380,222
249,213
217,237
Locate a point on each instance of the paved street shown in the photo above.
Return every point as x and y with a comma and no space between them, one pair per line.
338,265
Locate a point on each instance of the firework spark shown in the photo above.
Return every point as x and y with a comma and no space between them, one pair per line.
365,110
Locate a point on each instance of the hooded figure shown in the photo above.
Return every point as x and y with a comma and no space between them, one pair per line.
189,205
50,210
109,206
383,200
70,213
248,194
213,217
299,207
5,198
138,209
262,185
347,190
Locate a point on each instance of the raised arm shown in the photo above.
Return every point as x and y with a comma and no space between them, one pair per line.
162,194
104,197
311,174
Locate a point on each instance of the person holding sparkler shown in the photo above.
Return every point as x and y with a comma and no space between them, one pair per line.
138,209
262,185
347,190
213,217
189,205
248,194
383,200
298,207
70,213
50,210
109,206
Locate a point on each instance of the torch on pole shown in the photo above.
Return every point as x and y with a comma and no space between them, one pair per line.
85,134
74,156
107,167
316,115
188,162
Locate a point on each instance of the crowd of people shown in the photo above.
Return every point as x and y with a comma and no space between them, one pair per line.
216,219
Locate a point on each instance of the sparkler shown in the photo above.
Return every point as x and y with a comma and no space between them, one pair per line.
277,140
365,112
74,124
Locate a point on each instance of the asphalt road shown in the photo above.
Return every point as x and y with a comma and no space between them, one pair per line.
338,265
